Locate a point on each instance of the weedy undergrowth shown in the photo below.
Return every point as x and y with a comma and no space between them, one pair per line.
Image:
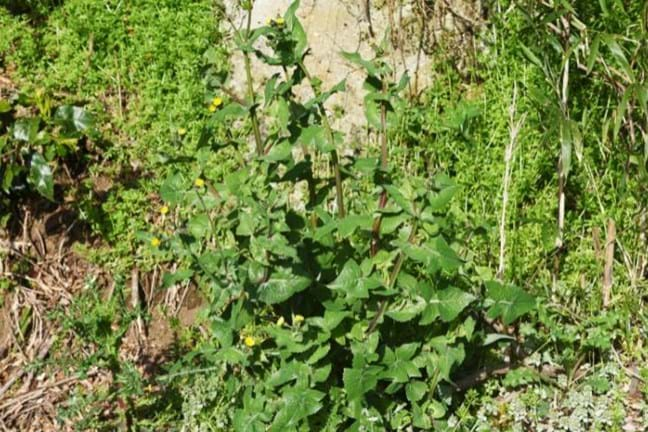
33,144
335,295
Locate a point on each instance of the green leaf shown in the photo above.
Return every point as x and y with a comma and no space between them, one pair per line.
231,355
400,199
415,390
40,176
621,111
619,54
297,404
436,254
520,376
333,318
276,245
446,304
282,285
181,275
246,226
359,381
318,354
315,136
74,118
352,283
199,226
594,52
233,109
287,372
5,106
398,365
367,65
280,152
420,419
26,129
496,337
323,97
173,189
439,201
297,30
249,421
642,96
390,223
406,310
508,302
349,224
372,112
531,56
438,410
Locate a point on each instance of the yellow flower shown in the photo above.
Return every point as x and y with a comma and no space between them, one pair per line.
155,242
280,22
182,131
249,341
199,182
217,102
298,319
212,108
281,321
269,21
164,210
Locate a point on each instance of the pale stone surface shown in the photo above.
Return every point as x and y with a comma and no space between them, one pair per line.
333,26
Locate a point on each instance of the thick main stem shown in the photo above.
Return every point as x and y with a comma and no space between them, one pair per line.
382,308
382,202
334,155
250,90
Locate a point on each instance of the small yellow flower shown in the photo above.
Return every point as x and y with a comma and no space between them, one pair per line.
182,131
281,321
199,182
280,22
217,102
297,319
155,242
269,21
249,341
212,108
164,210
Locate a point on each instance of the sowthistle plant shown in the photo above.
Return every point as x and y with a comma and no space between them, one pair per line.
340,310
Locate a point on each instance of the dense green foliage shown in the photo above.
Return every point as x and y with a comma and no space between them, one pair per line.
30,144
347,292
340,294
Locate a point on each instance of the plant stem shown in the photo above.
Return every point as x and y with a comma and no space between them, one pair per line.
392,280
334,155
382,202
250,90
